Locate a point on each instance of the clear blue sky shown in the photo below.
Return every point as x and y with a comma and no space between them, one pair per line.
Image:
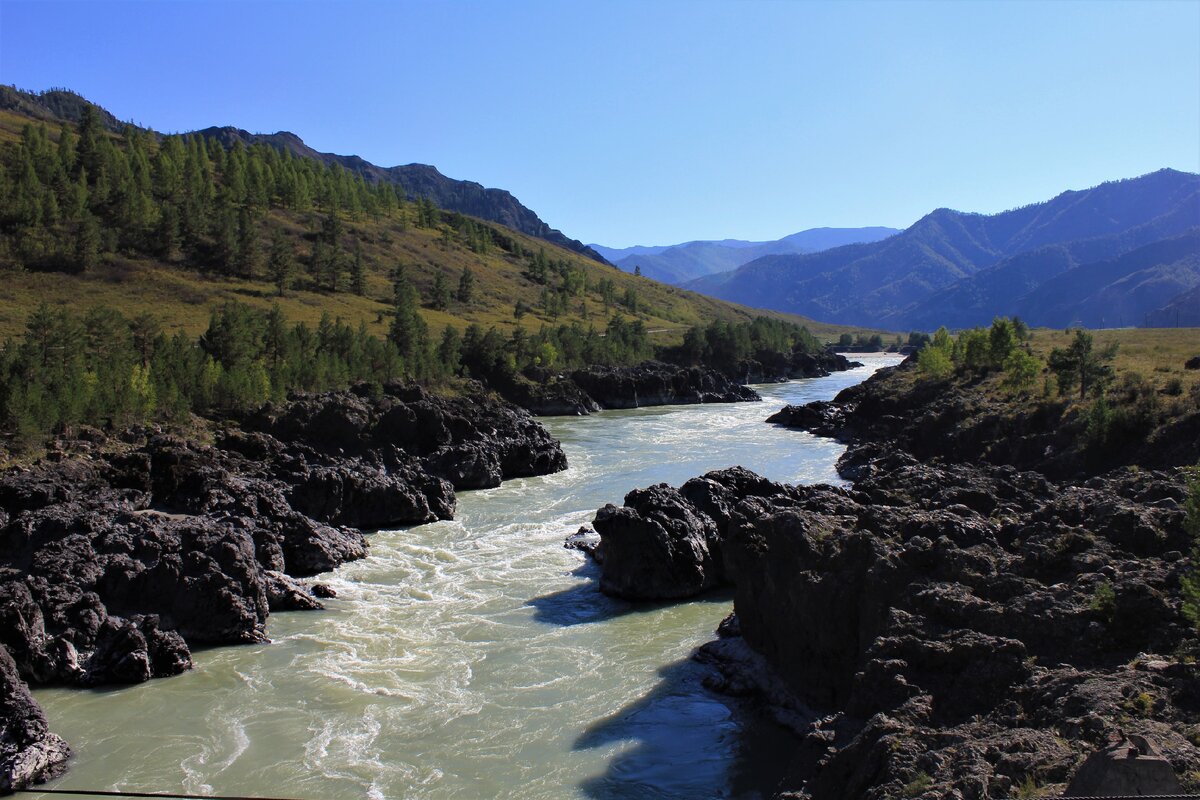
652,122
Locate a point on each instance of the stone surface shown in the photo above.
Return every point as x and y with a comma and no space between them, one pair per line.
1130,767
118,553
29,752
939,624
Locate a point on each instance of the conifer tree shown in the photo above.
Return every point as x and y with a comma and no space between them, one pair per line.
358,273
408,332
281,265
466,286
248,256
439,295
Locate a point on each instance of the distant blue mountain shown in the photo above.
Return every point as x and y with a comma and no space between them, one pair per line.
1110,255
680,263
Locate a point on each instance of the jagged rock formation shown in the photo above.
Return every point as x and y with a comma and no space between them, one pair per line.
653,383
959,630
954,625
117,556
29,752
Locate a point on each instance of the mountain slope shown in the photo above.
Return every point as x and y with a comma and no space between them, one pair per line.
878,282
1000,289
1182,312
681,263
336,260
1119,292
418,180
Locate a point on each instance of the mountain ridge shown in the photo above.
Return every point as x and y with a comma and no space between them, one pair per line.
418,180
888,281
679,263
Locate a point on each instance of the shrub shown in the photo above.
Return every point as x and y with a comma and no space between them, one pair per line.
934,362
1020,370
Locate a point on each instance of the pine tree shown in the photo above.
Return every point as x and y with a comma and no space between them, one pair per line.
168,241
450,351
408,332
466,286
248,257
225,240
87,244
439,295
358,273
281,264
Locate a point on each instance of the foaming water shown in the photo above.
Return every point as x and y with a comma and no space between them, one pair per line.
473,658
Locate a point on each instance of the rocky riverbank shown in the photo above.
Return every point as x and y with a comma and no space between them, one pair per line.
117,555
942,629
654,383
946,419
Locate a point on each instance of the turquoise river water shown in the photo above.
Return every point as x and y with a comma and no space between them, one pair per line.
476,658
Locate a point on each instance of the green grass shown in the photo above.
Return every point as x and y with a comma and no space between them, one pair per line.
1157,354
182,296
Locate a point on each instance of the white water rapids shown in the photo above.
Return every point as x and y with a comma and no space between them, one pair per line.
475,658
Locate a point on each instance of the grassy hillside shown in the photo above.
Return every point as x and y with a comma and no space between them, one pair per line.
182,296
1137,403
181,292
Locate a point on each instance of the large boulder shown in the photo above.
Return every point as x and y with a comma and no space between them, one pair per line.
29,752
657,547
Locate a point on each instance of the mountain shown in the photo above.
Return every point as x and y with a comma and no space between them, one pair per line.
137,253
1182,312
418,180
1011,287
681,263
937,270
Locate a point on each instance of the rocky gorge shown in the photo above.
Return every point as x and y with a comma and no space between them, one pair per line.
949,625
123,551
120,554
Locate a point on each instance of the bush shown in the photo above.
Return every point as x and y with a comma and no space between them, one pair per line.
934,362
1021,370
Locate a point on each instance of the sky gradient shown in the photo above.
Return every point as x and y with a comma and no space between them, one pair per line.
656,122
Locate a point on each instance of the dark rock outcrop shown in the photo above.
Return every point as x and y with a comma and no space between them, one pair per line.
770,367
1130,767
963,630
651,383
944,420
654,383
29,752
118,554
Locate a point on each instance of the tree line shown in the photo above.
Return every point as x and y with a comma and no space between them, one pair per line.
65,203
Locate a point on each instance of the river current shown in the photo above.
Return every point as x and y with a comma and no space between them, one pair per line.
476,658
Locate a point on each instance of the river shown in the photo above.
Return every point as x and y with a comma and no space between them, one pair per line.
476,658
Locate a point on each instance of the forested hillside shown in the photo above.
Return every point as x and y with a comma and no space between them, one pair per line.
118,250
416,180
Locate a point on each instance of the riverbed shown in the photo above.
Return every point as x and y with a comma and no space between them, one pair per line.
476,657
